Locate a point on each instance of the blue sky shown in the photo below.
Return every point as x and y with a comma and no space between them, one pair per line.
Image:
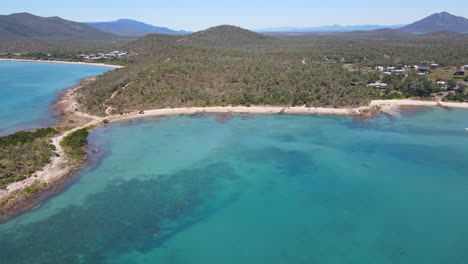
252,14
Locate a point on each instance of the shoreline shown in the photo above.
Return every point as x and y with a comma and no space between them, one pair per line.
58,170
390,107
66,62
410,102
260,110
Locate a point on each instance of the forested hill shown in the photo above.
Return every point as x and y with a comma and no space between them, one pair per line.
25,26
225,35
225,66
231,66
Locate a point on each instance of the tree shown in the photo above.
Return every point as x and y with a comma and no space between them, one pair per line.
451,84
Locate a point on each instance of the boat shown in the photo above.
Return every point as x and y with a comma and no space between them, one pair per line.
466,129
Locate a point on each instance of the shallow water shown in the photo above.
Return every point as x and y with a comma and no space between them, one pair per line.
260,189
28,88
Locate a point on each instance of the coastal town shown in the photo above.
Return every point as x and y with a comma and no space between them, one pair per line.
99,56
107,56
449,79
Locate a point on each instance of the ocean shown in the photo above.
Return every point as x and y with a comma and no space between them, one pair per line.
27,90
259,189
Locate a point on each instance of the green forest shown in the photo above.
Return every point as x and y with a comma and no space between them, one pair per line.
230,66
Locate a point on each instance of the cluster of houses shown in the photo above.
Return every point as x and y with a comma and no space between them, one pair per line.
111,55
401,69
422,70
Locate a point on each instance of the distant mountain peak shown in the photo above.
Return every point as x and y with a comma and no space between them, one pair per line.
127,19
442,21
444,13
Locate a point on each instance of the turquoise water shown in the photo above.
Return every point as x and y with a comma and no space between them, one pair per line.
28,88
260,189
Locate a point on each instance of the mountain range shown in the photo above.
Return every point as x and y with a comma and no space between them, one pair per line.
23,26
133,28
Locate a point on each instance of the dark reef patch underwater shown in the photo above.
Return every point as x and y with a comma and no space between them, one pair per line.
262,189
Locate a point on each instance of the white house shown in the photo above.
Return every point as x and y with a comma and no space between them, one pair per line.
399,71
379,85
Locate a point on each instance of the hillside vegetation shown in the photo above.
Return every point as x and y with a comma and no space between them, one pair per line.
23,153
232,66
75,144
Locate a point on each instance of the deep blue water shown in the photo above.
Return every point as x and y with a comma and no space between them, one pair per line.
28,88
260,189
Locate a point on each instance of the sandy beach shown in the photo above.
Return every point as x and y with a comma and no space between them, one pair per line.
66,62
386,106
238,110
409,102
392,107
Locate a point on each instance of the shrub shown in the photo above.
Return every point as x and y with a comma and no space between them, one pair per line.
75,145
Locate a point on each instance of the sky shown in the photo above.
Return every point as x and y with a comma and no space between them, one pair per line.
251,14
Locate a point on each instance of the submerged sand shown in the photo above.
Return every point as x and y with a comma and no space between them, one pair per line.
58,168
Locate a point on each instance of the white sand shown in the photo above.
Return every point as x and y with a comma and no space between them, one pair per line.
409,102
238,110
392,106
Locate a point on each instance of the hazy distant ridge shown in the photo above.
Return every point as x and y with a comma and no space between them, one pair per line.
133,28
436,22
23,26
331,28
